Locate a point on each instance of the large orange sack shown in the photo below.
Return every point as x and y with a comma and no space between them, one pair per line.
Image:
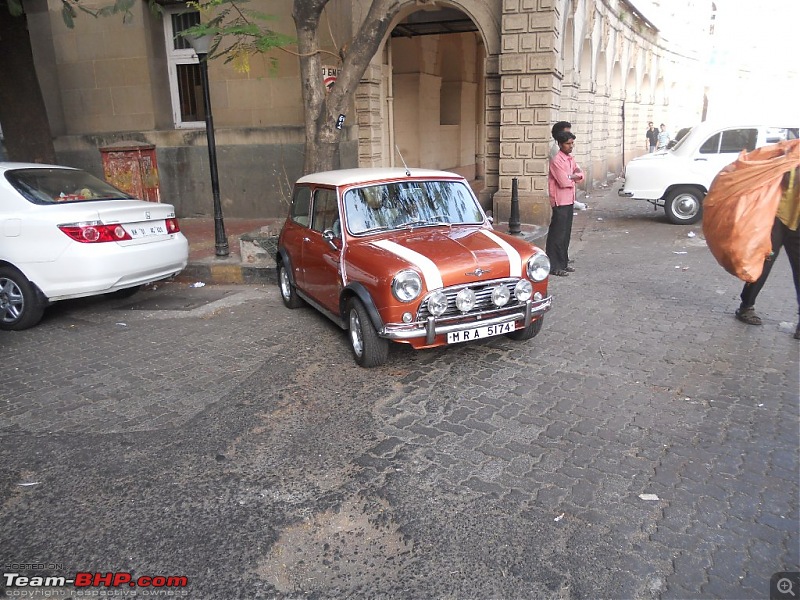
740,208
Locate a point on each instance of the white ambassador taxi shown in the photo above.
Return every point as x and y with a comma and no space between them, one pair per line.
678,179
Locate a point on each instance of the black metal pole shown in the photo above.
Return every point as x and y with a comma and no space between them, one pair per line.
513,220
220,239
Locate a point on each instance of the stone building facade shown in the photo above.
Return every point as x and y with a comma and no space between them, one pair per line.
472,86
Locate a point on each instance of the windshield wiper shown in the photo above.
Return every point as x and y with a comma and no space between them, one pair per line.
434,222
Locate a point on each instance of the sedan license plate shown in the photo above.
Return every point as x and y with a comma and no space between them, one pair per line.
146,229
479,333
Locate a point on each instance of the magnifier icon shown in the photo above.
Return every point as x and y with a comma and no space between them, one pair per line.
785,586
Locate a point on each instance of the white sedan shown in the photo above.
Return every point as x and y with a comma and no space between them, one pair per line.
67,234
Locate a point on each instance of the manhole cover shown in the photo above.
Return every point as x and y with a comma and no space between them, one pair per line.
187,300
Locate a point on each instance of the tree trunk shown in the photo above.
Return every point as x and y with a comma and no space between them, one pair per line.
23,116
323,107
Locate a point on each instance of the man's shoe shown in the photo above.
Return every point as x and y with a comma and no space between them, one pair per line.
559,273
569,269
748,315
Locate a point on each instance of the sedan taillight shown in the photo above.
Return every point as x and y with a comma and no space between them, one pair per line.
172,225
95,232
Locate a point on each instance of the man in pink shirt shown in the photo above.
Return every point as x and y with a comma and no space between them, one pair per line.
564,172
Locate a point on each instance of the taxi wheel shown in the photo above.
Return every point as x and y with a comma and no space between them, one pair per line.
20,307
528,332
288,292
368,348
684,205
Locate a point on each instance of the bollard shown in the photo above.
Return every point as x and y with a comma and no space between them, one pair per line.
513,219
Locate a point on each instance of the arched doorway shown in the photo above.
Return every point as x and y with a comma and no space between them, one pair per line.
436,94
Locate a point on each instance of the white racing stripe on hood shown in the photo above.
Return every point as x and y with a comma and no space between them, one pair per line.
514,259
430,272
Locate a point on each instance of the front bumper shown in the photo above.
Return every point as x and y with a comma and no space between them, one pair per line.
431,327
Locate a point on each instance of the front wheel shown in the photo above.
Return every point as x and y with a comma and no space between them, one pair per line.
684,205
368,348
528,332
20,307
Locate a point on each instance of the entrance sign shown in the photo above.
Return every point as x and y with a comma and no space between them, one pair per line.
329,75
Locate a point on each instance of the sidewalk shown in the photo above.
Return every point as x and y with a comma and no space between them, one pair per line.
206,267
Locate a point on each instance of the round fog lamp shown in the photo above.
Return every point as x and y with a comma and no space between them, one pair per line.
538,296
407,317
523,290
465,300
437,304
501,295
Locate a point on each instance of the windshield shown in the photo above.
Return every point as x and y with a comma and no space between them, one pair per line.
57,186
682,135
410,204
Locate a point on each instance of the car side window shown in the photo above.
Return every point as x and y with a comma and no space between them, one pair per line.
736,140
301,205
711,145
326,210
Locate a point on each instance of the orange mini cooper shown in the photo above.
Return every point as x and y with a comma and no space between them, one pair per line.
407,255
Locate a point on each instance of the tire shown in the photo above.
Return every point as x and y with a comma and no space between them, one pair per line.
527,333
368,349
20,305
288,291
684,205
123,293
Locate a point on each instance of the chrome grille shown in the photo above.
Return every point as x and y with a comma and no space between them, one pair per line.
483,298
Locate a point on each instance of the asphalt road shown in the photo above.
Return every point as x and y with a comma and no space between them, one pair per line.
644,445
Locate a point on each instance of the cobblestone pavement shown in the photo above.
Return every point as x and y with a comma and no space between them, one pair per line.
211,433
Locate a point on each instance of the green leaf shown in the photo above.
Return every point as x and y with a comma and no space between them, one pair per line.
68,16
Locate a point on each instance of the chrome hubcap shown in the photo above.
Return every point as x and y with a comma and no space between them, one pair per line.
286,289
355,333
686,206
11,301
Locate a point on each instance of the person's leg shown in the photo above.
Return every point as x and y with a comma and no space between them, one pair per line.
746,311
568,236
791,241
555,240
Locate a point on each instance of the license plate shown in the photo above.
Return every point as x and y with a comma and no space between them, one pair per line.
479,333
146,229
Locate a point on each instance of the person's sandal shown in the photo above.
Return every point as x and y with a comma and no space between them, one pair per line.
559,273
748,315
569,269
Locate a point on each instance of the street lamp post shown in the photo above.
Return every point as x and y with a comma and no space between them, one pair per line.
201,45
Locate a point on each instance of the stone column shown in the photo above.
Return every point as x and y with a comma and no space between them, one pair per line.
530,89
600,142
492,131
584,127
369,117
615,140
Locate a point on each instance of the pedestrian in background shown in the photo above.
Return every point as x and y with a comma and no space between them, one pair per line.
561,178
786,233
663,138
652,137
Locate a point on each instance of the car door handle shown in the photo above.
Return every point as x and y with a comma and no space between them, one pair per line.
306,239
703,159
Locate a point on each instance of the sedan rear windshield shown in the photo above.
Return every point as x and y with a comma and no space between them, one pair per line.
410,204
57,186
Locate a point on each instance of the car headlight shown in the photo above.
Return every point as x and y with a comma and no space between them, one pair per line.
406,285
538,266
437,303
500,295
465,300
523,290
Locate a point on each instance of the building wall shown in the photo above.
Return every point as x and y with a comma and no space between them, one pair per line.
481,104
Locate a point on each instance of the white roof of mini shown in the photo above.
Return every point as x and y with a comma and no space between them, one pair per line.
366,175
